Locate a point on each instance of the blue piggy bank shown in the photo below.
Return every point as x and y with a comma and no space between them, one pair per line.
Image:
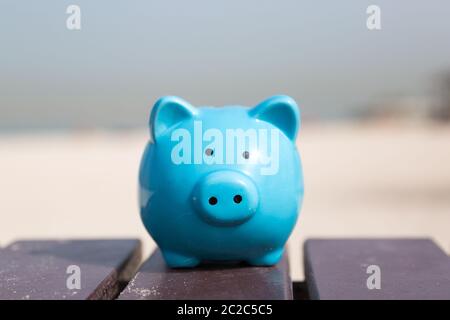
221,184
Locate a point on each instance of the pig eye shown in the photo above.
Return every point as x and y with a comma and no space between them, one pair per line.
209,152
246,154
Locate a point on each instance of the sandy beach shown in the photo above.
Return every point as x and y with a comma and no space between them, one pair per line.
361,180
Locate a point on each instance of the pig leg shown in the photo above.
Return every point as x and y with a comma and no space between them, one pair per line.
269,259
176,260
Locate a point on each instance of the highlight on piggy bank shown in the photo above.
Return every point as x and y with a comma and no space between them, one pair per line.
221,183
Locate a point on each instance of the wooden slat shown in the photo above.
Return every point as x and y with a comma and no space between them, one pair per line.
410,269
37,269
156,281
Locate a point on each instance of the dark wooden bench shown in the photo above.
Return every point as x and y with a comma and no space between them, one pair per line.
39,269
155,280
334,269
406,268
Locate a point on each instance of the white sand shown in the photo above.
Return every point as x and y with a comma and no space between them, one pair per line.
376,180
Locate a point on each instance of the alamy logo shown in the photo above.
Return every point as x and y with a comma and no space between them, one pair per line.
373,21
73,21
236,146
374,280
73,281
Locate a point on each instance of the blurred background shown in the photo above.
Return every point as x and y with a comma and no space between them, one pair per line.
74,106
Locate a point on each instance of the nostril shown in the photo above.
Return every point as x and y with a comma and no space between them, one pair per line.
237,198
212,201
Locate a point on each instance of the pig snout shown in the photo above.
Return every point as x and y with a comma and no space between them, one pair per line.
225,198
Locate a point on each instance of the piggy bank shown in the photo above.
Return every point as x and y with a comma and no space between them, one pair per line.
221,184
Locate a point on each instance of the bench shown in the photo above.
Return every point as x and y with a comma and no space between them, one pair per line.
407,269
41,269
113,269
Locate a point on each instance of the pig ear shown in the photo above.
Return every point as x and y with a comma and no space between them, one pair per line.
168,112
282,112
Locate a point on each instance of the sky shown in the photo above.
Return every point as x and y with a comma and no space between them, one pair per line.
129,53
